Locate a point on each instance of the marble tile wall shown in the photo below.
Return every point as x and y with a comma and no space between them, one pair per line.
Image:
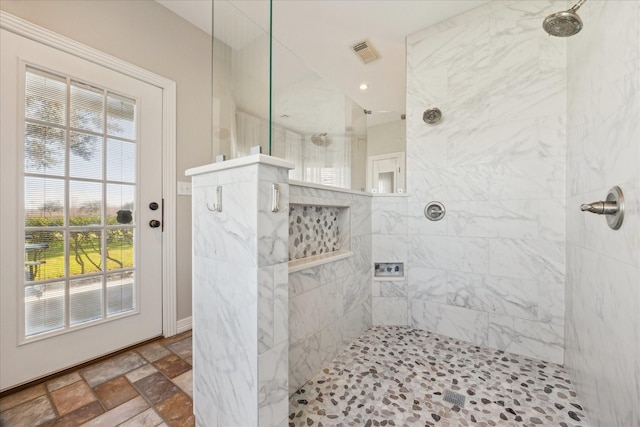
389,228
493,270
219,258
313,230
240,298
330,304
603,266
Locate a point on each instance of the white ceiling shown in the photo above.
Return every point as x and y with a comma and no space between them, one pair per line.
321,32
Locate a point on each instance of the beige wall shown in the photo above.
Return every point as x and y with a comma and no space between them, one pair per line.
150,36
386,138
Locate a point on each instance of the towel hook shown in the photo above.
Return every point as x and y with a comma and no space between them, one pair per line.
217,206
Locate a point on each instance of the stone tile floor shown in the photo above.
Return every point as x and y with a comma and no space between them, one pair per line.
397,376
149,385
391,376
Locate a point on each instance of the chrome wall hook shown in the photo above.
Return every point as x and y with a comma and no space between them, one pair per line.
217,206
612,207
275,198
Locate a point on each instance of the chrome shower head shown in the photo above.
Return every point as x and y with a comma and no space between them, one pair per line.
432,116
321,139
564,24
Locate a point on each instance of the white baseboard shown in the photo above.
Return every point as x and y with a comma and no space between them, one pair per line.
183,325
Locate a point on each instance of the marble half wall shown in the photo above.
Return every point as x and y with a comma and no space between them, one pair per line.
603,266
493,270
240,298
330,304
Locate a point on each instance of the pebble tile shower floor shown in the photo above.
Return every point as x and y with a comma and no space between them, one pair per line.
397,376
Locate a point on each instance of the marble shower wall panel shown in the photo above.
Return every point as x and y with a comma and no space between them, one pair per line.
390,228
455,322
227,374
273,306
497,163
273,368
603,274
358,203
330,304
224,244
273,309
229,235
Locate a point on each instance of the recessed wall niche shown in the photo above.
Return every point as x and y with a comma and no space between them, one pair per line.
317,230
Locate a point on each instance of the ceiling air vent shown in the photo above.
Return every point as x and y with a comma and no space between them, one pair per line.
365,51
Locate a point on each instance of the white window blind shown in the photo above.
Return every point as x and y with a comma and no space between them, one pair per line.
79,178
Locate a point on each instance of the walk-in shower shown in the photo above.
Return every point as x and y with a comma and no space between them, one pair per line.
564,24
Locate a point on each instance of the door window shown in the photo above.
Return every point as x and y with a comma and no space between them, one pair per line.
79,203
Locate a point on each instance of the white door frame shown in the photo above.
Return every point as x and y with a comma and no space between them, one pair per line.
41,35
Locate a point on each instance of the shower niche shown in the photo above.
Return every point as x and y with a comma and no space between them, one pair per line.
388,271
317,234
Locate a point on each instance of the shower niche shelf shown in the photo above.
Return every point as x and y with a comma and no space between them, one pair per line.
318,234
388,271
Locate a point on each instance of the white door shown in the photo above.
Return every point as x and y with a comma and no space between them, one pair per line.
385,173
80,166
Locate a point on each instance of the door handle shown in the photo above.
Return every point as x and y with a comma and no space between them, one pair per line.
154,223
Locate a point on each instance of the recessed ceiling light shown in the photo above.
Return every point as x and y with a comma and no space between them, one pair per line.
363,86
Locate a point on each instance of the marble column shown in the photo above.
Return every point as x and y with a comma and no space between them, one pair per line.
240,293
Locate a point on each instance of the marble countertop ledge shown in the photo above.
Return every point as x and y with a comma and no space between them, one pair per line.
312,261
278,162
240,162
343,190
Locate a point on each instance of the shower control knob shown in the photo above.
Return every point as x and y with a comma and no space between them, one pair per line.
612,207
600,208
434,211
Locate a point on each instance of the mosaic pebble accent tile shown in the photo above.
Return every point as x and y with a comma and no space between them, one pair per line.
397,376
313,230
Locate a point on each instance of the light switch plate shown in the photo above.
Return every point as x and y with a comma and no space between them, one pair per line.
184,188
